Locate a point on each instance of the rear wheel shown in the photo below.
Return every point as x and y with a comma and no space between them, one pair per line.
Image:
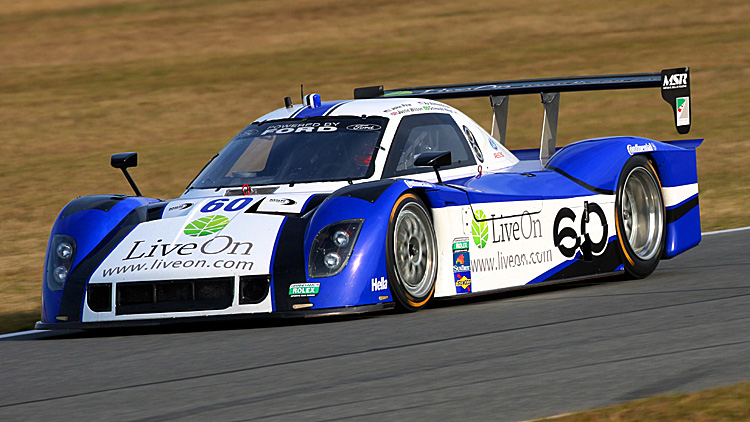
411,253
641,227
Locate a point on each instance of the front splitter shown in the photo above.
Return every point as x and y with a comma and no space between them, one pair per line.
302,313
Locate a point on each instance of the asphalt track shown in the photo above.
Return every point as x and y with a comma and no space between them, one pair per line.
506,357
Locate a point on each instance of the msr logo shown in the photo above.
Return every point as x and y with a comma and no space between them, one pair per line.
678,80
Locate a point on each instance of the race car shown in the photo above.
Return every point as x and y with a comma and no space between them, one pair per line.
388,200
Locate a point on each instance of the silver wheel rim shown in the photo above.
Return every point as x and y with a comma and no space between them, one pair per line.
414,250
642,213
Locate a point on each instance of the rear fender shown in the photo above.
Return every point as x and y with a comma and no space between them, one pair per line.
597,163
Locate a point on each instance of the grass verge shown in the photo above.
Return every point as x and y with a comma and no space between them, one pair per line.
175,79
724,404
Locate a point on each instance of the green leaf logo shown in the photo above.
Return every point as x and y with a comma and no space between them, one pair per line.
479,229
204,226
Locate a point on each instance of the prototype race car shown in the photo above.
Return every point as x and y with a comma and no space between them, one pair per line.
387,200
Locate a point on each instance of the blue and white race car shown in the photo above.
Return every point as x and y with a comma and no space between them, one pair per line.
391,199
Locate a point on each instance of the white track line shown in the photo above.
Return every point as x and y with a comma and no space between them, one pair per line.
23,333
739,229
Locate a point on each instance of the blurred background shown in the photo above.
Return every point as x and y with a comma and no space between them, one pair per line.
174,80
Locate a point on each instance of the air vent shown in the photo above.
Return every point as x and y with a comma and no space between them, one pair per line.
254,288
99,297
175,295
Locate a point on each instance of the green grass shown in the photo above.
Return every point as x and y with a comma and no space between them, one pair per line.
174,80
725,404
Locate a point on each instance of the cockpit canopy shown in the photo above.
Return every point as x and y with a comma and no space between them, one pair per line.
297,151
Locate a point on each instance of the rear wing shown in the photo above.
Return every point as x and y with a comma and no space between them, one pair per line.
674,84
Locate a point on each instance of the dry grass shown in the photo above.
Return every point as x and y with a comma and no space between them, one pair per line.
175,79
726,404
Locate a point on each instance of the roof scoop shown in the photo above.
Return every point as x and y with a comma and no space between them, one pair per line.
312,100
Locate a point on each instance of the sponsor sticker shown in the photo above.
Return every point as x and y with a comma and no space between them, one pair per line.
378,284
205,226
418,184
183,206
304,289
363,127
247,133
474,145
461,262
678,80
462,265
480,231
305,127
460,244
649,147
463,282
683,111
282,201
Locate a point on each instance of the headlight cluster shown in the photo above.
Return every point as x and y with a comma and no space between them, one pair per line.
332,247
60,259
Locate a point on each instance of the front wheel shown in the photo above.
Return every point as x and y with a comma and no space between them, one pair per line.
641,227
411,253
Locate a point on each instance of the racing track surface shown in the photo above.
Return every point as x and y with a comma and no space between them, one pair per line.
505,357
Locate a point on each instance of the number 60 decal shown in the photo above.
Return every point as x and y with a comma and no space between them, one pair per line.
220,203
569,233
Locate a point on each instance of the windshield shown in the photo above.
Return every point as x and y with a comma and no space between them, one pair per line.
296,151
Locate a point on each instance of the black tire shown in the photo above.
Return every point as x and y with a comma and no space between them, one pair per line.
411,253
640,216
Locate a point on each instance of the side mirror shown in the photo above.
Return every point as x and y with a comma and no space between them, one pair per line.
434,159
124,160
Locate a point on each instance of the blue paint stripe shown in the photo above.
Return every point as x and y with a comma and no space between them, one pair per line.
270,265
297,112
317,111
559,267
86,286
331,110
554,270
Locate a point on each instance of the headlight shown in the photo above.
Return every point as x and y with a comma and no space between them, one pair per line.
59,260
332,247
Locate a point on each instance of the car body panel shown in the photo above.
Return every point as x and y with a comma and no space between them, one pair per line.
508,221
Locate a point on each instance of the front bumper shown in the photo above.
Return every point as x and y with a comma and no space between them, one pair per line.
152,322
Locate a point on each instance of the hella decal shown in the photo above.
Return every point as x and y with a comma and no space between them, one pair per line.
378,284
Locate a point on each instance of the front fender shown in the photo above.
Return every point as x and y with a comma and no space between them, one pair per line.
361,281
89,220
